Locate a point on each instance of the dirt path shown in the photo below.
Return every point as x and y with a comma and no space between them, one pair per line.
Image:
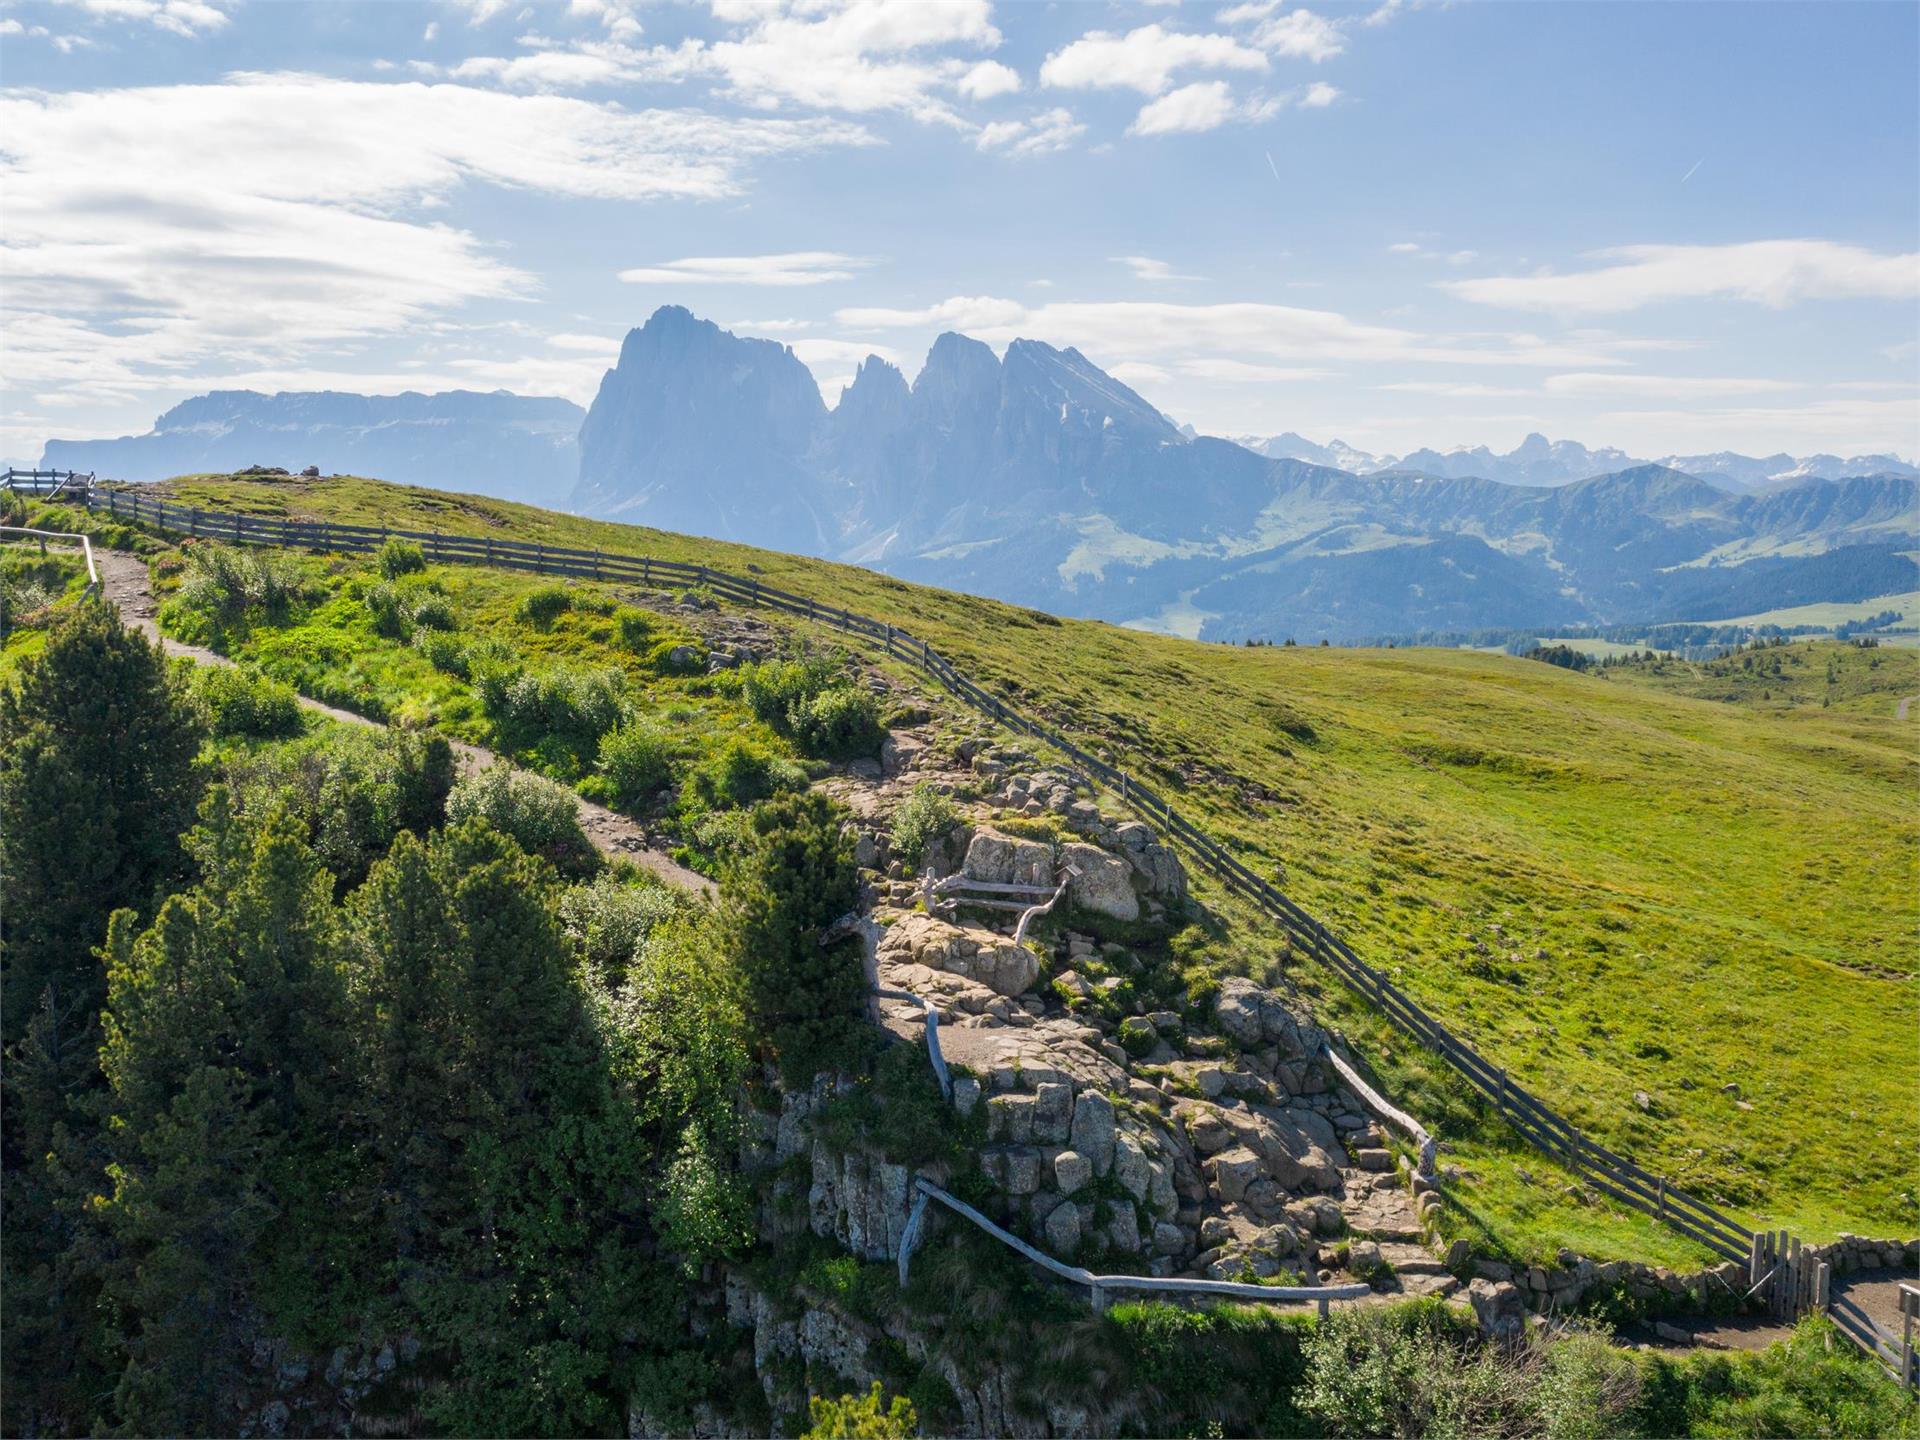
127,586
1901,713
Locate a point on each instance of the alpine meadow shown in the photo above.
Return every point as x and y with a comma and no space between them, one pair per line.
909,717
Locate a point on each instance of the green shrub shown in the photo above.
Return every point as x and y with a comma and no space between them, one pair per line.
387,609
446,653
541,607
1137,1037
542,817
434,612
840,724
811,700
922,818
224,584
245,702
692,658
637,761
352,789
611,916
636,629
861,1417
741,773
400,557
567,704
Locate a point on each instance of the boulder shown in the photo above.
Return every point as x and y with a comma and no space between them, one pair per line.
1104,883
1232,1171
1498,1306
1004,860
1071,1171
1254,1018
972,953
1092,1132
1063,1231
1052,1113
1123,1230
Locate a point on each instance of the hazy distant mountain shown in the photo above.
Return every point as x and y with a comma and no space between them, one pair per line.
519,447
695,429
1036,477
1540,461
1335,453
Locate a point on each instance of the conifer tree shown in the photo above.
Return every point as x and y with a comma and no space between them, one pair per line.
97,782
794,878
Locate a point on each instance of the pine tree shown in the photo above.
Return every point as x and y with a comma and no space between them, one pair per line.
794,878
225,1033
97,782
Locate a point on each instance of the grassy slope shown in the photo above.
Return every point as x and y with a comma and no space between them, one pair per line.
1689,893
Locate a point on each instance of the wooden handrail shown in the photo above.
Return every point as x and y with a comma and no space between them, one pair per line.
86,549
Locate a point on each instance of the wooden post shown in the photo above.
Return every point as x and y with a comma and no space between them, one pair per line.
1325,1306
1753,1244
1663,1197
1909,1307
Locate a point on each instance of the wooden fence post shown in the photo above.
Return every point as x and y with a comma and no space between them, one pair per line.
1909,1309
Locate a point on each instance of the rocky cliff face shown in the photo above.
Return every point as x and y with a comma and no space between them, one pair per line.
698,430
517,447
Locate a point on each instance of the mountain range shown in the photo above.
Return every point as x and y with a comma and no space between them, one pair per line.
1537,460
515,447
1038,478
1034,476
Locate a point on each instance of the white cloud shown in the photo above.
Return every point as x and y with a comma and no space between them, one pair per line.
1157,332
1657,387
587,344
768,327
837,354
855,55
1767,272
1453,389
798,267
1318,95
1041,134
1292,34
1145,267
963,312
479,11
1138,372
178,17
1209,104
1849,426
988,79
11,26
1403,247
159,233
1144,59
1247,372
1205,105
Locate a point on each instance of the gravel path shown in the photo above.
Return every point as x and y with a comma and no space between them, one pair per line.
127,586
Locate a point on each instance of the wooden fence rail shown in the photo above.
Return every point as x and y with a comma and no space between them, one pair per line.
1532,1118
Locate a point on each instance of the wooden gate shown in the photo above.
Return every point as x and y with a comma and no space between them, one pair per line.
1788,1278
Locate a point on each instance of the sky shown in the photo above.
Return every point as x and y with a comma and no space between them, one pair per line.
1668,228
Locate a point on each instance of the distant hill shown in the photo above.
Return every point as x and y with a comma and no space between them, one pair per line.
1540,461
1036,477
513,446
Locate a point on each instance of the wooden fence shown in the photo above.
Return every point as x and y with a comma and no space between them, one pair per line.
1607,1172
47,484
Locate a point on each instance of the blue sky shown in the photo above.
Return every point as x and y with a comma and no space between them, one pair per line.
1670,228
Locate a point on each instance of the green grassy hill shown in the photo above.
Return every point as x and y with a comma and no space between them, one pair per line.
1607,887
1790,679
